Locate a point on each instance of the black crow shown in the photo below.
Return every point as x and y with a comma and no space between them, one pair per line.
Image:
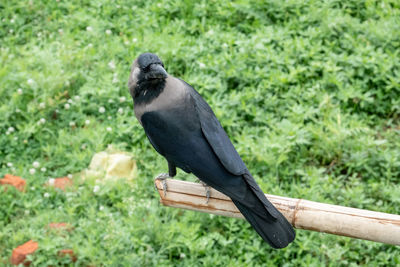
182,127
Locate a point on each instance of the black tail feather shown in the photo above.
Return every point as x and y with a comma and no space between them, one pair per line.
276,232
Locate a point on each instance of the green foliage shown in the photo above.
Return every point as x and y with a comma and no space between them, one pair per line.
308,91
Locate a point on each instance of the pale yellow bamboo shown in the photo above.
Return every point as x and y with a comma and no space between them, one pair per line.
302,214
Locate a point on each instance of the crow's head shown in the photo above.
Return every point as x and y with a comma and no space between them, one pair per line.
146,68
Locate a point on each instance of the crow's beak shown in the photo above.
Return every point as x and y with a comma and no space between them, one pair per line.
156,72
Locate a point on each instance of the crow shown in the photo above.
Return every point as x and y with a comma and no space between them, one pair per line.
181,127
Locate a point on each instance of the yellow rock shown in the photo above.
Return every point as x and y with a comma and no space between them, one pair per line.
111,165
99,161
120,165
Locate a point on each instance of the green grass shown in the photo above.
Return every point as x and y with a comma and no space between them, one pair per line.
308,91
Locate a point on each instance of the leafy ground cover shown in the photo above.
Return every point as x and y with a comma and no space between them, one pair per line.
308,91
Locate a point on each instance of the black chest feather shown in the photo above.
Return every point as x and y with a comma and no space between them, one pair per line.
174,134
178,122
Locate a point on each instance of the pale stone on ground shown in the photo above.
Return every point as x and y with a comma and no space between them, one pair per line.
112,165
99,161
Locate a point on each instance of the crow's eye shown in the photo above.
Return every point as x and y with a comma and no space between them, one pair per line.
147,68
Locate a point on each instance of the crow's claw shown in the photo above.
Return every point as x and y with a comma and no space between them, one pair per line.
207,188
163,177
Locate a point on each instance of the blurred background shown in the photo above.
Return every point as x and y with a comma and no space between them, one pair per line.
308,91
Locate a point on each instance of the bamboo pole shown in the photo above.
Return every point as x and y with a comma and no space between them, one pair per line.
302,214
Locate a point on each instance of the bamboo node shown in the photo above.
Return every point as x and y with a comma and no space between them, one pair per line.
296,209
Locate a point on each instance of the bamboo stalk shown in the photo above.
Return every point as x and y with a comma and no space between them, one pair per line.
302,214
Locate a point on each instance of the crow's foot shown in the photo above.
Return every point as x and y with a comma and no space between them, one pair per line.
163,177
207,188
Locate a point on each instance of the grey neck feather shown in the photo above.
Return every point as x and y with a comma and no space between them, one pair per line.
173,93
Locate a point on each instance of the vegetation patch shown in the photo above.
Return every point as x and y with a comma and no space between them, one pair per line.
308,91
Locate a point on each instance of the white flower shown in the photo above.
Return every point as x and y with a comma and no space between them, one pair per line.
101,208
72,123
109,117
110,101
120,110
77,97
108,32
46,195
35,164
27,212
90,45
224,45
30,81
69,176
202,65
111,65
126,42
115,79
32,171
102,109
42,120
39,34
10,129
122,99
67,106
51,181
134,40
70,101
12,20
19,91
11,31
67,83
9,164
83,146
159,5
89,28
109,129
210,32
87,122
60,31
182,255
42,105
15,138
43,169
96,189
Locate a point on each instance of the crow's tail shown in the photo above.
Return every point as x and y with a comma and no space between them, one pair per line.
275,230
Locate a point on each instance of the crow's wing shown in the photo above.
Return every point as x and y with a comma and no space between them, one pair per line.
224,149
154,144
216,136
